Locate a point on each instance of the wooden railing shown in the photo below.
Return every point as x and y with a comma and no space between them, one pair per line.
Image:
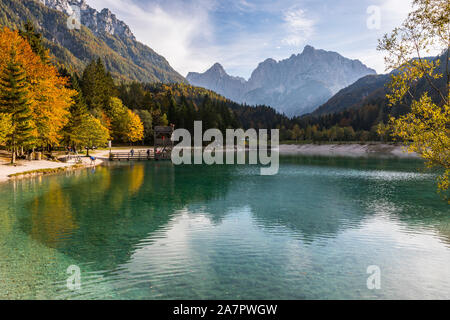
138,155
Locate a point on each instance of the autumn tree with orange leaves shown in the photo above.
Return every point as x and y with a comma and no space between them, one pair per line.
48,94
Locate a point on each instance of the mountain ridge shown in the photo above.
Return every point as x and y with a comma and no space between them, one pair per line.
294,86
353,95
217,79
97,22
372,89
105,37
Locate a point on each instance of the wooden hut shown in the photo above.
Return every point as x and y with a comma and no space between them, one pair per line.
163,143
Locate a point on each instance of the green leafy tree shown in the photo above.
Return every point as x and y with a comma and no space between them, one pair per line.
333,135
147,121
426,128
363,135
349,134
78,112
90,133
296,132
14,101
159,118
118,114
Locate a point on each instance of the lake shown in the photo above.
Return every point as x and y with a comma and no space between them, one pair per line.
156,231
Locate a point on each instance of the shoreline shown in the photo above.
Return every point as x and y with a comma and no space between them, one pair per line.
27,169
349,150
340,150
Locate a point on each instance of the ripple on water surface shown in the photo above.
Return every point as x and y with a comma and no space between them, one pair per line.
155,231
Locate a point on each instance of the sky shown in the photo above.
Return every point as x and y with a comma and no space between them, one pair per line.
239,34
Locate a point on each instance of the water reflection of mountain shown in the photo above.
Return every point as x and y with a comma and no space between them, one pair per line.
300,199
318,197
340,193
101,217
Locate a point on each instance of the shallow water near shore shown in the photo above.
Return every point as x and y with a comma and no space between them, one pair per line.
151,230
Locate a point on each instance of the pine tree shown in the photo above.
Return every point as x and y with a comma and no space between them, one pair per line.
172,109
78,111
14,100
89,85
35,40
98,86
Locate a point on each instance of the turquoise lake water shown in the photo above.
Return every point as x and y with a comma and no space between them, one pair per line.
156,231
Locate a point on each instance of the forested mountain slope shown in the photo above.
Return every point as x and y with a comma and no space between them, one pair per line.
105,37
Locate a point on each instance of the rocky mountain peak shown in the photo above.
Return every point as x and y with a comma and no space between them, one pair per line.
218,69
217,79
268,61
104,22
308,49
293,86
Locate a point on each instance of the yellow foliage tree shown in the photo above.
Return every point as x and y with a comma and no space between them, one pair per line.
135,128
50,98
126,125
5,127
426,129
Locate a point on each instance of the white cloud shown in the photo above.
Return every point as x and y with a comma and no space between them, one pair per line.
184,33
176,32
393,12
194,34
298,26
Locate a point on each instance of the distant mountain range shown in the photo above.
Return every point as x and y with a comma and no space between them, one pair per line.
315,82
293,86
372,90
101,35
355,95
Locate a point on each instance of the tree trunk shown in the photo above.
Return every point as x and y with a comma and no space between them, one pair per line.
13,156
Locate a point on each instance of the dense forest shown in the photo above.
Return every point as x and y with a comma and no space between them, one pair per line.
366,123
43,106
181,105
55,95
365,108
